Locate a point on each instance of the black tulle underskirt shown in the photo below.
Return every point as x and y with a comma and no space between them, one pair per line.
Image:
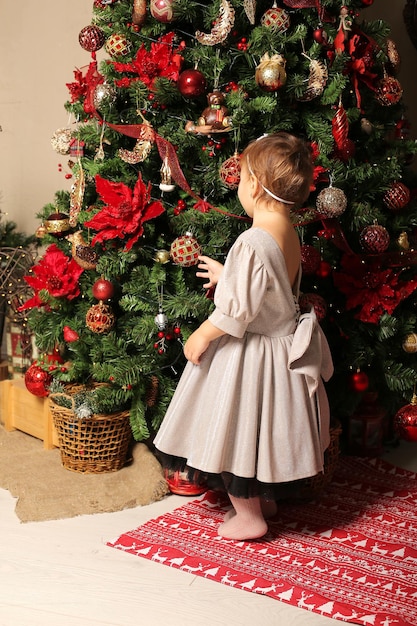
236,486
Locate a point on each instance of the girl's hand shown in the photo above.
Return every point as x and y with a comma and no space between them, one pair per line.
195,346
212,270
199,341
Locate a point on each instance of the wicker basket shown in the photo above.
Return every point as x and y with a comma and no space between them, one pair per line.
309,488
91,445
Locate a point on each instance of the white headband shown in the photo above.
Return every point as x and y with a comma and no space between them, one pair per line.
265,188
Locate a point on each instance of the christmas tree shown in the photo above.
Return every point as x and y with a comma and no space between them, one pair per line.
172,91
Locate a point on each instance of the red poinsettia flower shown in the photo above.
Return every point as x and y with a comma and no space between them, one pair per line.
151,64
84,82
318,170
55,274
374,291
125,211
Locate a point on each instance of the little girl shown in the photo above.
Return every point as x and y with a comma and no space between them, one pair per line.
250,411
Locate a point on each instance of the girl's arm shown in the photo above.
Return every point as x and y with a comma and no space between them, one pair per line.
200,340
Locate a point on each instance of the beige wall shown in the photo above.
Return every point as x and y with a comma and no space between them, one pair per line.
39,50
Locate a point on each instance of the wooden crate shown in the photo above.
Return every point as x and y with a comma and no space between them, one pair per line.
21,410
4,370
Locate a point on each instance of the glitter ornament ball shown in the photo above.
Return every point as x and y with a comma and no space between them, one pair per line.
389,91
310,259
91,38
313,300
118,45
331,202
270,74
230,172
61,140
410,343
405,421
185,250
103,95
374,239
100,318
397,196
37,381
191,83
276,19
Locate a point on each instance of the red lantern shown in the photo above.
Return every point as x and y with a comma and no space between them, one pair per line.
366,427
405,421
37,381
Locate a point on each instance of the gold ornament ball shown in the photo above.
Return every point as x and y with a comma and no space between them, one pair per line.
410,343
57,224
185,250
118,46
270,75
162,256
100,318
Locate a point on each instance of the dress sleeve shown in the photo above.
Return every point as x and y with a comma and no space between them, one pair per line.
240,291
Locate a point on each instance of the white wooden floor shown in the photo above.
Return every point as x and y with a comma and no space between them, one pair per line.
61,573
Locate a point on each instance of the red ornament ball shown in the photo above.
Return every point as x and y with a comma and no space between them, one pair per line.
346,150
100,318
276,19
359,381
397,196
313,300
230,172
103,289
389,91
37,381
191,83
162,11
91,38
374,239
320,35
405,421
324,270
310,259
185,250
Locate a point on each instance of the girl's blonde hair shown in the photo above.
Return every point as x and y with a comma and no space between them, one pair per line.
283,165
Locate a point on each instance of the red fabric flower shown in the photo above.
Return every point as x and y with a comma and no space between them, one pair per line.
125,211
373,290
56,274
159,61
85,81
318,170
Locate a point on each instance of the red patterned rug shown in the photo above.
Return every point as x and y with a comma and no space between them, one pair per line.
350,555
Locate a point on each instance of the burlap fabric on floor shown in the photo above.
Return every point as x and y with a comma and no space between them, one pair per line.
46,490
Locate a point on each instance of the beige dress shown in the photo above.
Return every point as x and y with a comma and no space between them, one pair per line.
255,409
